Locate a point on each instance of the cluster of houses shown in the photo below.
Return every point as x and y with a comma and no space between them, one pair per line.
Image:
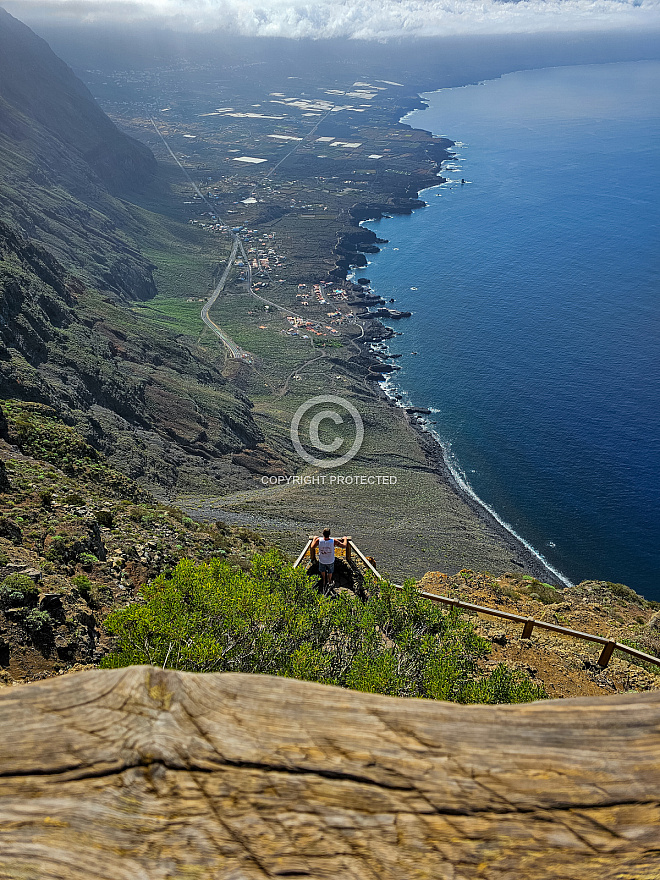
323,293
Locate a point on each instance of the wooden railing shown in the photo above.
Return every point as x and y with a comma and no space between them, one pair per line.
529,623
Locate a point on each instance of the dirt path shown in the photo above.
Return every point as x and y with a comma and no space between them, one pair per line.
283,390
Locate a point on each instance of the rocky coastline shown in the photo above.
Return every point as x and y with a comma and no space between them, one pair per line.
351,250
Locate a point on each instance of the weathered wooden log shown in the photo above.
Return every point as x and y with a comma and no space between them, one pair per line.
141,774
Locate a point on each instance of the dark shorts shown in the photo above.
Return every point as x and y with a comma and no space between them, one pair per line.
327,566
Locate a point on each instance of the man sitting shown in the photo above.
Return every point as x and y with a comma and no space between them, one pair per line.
326,546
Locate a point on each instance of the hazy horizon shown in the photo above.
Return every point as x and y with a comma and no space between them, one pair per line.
352,19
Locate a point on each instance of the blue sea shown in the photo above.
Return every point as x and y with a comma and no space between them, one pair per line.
535,292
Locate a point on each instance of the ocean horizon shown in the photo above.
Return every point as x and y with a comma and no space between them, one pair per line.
533,277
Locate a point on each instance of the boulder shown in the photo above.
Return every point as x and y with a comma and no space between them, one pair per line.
10,530
140,772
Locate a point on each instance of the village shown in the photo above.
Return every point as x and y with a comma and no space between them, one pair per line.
264,257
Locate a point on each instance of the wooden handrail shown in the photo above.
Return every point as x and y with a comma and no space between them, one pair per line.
302,555
529,623
366,561
350,545
609,645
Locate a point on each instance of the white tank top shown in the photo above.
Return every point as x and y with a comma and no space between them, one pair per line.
327,551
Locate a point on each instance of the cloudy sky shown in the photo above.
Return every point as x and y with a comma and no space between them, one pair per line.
363,19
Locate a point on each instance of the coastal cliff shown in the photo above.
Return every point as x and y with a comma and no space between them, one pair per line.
113,389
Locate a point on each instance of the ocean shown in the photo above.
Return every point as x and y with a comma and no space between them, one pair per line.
534,287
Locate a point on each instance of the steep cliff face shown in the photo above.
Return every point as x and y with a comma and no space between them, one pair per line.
56,347
144,773
38,89
61,159
70,266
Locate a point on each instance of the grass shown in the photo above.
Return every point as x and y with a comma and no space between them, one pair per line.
173,313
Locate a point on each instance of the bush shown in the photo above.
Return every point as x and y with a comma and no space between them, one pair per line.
74,498
37,621
87,560
83,585
621,591
540,591
18,590
272,620
104,518
58,551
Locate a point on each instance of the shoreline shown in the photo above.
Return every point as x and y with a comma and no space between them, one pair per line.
433,449
429,442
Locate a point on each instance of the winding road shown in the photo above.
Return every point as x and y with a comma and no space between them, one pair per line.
235,350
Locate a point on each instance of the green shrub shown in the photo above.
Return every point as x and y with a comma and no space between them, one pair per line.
58,550
271,619
104,518
37,622
17,590
74,498
83,585
536,589
621,591
46,497
38,432
87,560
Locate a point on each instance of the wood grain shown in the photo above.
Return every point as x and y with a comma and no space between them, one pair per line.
141,774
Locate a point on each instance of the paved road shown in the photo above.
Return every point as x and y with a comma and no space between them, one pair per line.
235,350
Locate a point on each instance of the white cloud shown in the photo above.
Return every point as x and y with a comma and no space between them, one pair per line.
363,19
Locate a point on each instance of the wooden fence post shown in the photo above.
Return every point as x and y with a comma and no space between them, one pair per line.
529,626
606,653
348,549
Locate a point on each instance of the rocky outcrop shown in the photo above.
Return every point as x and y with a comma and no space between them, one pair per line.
144,773
403,204
352,246
5,485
